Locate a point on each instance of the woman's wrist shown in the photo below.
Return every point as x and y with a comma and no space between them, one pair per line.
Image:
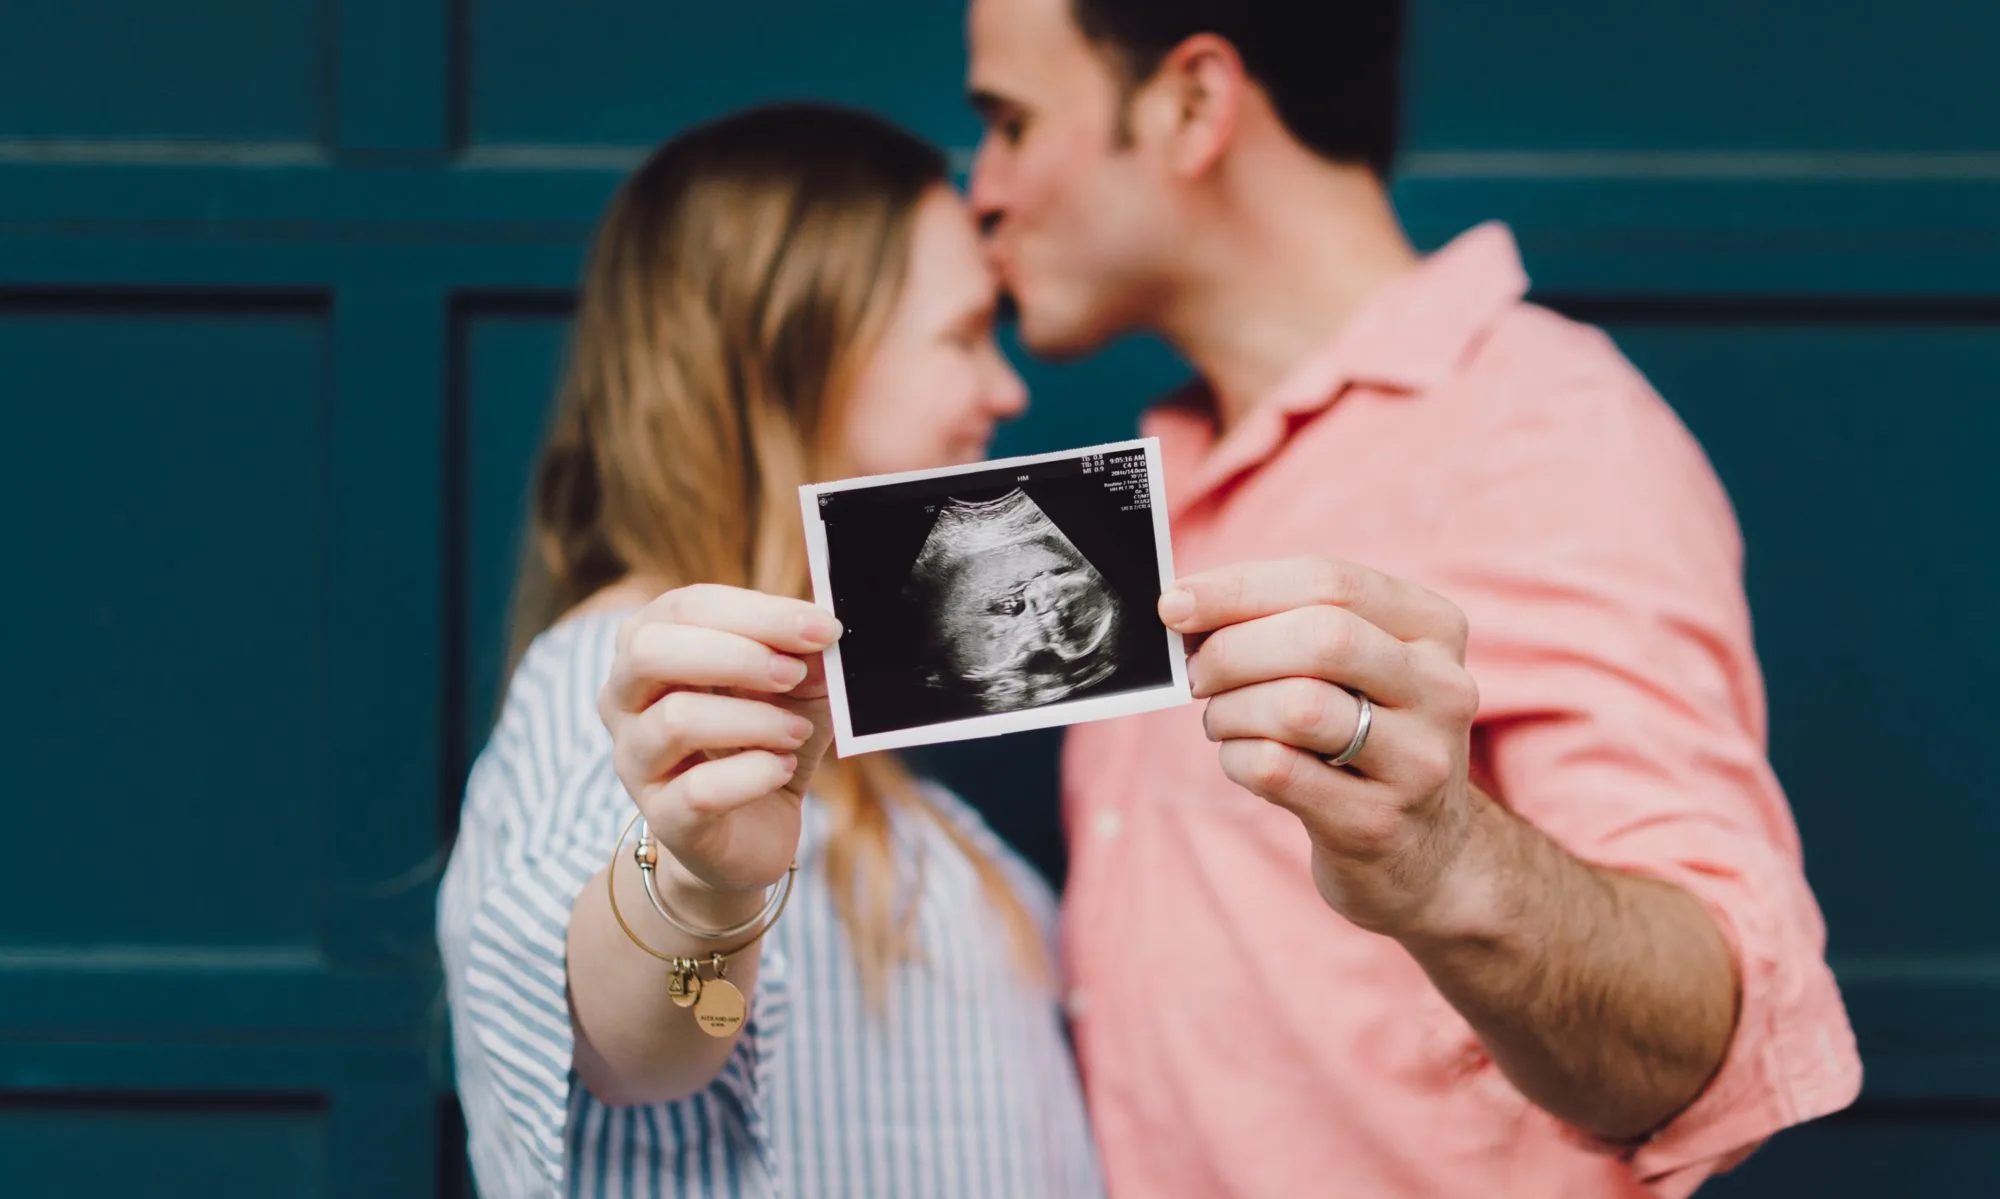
699,904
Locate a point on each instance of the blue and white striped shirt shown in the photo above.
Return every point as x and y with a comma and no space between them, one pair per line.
962,1087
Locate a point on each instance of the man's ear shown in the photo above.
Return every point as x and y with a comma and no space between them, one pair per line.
1194,102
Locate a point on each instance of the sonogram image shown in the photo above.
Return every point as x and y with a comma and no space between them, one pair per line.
1003,597
1016,615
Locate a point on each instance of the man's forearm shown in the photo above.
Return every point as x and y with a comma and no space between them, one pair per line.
1607,998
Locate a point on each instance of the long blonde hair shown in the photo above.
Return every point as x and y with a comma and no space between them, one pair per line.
736,282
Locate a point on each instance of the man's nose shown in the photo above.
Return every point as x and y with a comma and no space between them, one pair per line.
983,190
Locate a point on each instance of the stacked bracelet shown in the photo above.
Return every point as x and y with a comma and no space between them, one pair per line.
719,1007
647,855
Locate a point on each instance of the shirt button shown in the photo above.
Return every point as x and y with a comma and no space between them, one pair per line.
1109,824
1077,1002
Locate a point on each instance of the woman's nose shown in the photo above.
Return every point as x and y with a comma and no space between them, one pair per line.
1006,395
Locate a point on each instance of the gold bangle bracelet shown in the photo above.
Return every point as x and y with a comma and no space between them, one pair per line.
647,855
719,1007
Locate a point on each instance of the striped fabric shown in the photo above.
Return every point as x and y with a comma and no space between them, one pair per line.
961,1087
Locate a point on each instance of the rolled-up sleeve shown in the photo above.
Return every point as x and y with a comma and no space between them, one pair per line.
503,917
1622,712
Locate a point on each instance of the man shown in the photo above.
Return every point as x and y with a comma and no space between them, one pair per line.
1546,932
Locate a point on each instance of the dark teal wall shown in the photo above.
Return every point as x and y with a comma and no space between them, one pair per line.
282,293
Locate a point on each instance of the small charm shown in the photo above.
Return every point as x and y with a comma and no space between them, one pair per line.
684,985
720,1008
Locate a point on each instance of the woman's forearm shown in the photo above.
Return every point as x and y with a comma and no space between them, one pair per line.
633,1045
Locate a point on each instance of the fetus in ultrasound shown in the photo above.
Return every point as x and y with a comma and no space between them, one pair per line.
1017,615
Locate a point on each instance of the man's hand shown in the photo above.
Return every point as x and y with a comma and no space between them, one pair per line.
1606,997
1288,647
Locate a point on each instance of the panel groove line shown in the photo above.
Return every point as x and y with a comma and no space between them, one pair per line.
1921,1111
467,308
167,959
458,75
192,300
384,449
455,754
180,152
175,1101
329,83
1752,165
1777,309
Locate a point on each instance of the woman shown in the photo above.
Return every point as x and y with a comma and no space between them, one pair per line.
785,295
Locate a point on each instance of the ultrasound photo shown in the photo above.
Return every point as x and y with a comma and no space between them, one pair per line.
1003,596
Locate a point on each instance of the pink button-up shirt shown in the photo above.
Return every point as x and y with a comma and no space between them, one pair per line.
1240,1039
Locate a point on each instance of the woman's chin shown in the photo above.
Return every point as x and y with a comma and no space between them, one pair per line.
969,451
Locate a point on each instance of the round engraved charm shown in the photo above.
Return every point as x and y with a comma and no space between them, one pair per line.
684,988
719,1009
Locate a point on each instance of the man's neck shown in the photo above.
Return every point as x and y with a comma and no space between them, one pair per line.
1285,271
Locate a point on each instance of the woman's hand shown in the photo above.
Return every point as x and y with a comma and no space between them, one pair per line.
718,716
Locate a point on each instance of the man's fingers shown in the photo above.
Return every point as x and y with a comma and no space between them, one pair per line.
1319,719
1358,817
1233,594
814,684
787,625
1314,716
664,657
684,723
1319,642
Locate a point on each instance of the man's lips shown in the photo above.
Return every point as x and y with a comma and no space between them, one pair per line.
1001,259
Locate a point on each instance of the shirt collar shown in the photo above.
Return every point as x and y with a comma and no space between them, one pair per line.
1414,333
1410,336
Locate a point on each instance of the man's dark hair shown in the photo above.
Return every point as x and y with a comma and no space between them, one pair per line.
1333,68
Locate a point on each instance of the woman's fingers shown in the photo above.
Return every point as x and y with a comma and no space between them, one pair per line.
727,821
713,636
658,658
722,785
690,756
787,625
681,724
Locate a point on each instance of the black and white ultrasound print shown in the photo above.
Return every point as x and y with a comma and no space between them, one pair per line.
1000,592
1017,615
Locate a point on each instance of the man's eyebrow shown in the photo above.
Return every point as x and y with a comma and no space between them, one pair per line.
988,104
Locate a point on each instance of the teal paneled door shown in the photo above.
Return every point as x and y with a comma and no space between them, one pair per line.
283,287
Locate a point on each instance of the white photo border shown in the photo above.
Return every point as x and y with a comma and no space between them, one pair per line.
1129,703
